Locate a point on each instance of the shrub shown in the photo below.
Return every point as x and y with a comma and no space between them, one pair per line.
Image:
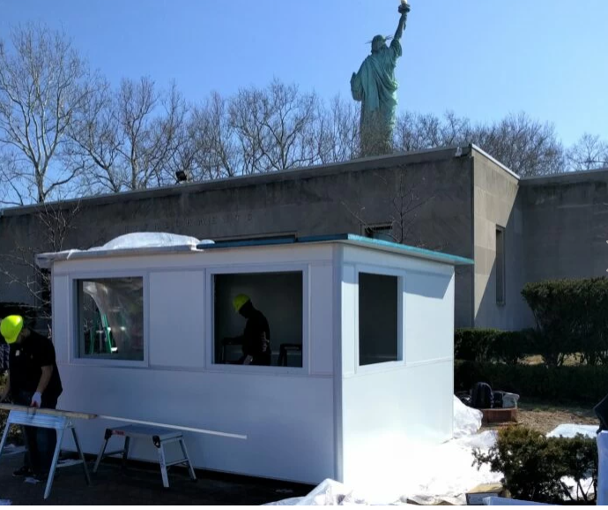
473,344
584,384
534,465
571,318
491,344
512,346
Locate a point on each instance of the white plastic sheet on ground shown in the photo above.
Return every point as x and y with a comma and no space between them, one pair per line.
571,430
426,474
327,493
149,240
467,420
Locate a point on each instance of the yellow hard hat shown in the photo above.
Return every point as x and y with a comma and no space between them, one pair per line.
239,301
11,327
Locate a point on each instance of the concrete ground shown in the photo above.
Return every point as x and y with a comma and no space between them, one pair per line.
140,484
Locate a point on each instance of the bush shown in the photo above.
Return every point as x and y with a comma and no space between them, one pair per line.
584,384
473,344
491,344
571,319
534,465
512,346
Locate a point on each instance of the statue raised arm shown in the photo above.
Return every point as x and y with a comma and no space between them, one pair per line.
376,88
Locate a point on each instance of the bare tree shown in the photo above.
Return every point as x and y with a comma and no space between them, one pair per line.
399,208
149,123
54,222
96,142
335,136
271,127
128,139
589,153
212,142
42,85
526,146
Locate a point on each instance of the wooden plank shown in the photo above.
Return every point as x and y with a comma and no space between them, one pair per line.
51,412
175,427
86,416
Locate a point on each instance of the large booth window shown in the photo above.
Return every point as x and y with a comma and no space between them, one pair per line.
110,314
378,319
258,319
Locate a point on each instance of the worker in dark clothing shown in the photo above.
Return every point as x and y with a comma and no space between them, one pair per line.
33,381
256,337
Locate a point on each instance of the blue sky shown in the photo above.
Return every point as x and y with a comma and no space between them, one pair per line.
479,58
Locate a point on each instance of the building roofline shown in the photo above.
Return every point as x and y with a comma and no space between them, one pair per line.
577,176
352,239
374,162
494,160
45,260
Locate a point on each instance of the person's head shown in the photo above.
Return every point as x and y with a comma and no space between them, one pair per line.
242,305
11,329
378,43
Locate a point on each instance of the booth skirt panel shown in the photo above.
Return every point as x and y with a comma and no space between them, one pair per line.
288,421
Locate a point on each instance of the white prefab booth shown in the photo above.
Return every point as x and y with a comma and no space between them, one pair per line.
361,335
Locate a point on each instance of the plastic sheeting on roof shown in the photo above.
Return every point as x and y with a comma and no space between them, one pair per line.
149,240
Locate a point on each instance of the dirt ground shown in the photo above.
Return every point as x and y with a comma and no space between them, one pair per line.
545,417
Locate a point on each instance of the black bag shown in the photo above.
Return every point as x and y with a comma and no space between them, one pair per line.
497,399
481,396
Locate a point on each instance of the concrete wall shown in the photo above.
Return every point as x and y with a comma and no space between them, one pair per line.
429,194
565,225
496,204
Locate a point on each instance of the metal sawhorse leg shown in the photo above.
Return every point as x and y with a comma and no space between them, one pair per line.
46,421
160,438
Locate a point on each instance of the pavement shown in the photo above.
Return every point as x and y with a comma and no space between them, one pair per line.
141,484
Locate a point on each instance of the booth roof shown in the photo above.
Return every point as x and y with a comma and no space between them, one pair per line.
45,260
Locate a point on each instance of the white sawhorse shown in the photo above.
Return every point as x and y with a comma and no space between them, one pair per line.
56,421
160,437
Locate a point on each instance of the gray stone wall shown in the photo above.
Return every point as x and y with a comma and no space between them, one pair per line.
435,187
497,205
565,225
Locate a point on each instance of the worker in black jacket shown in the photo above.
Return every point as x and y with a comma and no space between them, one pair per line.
256,337
33,381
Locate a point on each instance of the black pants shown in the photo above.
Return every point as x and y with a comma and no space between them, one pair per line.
40,442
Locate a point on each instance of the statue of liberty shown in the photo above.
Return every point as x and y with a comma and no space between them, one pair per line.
375,86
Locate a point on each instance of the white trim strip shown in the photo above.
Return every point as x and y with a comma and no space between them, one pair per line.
493,159
175,427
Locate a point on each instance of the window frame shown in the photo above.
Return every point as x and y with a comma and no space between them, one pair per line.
368,230
210,364
400,362
502,270
74,330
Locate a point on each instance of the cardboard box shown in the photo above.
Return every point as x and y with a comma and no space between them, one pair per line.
475,496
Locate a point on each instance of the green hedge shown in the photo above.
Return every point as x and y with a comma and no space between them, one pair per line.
584,384
473,344
492,345
534,465
571,317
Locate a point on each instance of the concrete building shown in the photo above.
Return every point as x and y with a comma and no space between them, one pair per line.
458,200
